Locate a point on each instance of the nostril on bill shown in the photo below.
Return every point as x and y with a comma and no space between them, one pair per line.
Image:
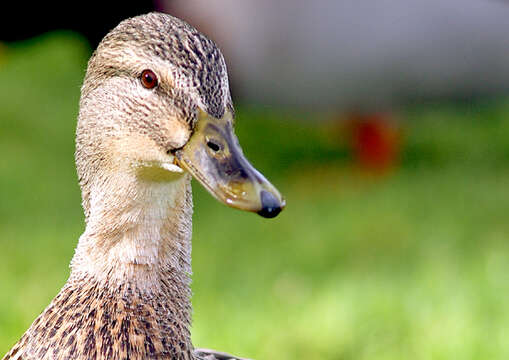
271,206
214,146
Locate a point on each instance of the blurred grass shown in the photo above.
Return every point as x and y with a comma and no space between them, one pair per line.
410,265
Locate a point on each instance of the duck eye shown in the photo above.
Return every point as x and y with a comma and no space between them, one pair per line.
148,79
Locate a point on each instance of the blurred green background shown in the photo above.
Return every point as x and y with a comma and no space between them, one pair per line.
408,263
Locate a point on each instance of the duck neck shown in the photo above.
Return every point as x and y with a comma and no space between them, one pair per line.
137,246
138,226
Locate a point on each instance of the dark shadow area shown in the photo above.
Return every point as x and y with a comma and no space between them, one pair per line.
22,20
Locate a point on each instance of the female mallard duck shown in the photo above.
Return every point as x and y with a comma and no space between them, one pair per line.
155,107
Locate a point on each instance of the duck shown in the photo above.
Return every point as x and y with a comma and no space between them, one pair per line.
155,111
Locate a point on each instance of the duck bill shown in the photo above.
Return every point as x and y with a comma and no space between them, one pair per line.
214,157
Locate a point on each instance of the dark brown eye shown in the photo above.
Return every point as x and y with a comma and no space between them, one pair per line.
148,79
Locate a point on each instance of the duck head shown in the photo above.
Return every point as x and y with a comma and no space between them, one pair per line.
156,94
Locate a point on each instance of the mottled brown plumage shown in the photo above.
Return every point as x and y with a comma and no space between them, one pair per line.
128,294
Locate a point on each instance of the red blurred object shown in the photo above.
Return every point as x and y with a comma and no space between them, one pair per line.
375,140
